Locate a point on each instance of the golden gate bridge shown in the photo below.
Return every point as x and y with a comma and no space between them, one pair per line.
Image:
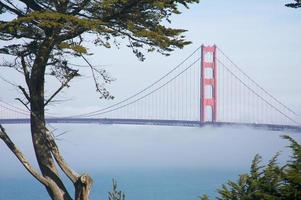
206,88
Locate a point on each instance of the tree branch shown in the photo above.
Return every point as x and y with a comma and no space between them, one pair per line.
294,5
25,93
24,104
32,5
65,84
71,34
25,70
17,12
5,138
80,6
71,174
99,87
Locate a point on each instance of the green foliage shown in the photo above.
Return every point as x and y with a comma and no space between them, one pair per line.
75,47
292,172
270,182
138,21
116,194
297,4
53,30
204,197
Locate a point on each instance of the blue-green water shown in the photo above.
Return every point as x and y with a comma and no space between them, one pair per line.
163,184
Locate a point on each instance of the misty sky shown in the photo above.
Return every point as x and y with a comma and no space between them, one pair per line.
262,37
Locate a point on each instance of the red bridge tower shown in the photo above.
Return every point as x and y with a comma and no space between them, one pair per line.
208,84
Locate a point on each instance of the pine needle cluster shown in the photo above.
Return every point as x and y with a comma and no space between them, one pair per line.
267,182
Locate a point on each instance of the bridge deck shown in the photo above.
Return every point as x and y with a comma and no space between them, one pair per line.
274,127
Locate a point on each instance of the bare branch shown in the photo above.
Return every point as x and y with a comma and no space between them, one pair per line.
71,34
25,70
80,6
15,11
25,93
99,87
5,138
32,5
25,104
71,174
64,84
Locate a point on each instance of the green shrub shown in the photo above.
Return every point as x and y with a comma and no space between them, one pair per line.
269,182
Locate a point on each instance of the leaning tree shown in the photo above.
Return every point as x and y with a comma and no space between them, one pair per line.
38,37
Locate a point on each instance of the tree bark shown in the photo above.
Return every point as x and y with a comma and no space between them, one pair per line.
56,190
83,187
44,145
5,138
82,184
46,150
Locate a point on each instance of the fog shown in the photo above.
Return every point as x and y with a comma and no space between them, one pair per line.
103,147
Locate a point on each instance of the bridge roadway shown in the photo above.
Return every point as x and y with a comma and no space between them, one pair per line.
272,127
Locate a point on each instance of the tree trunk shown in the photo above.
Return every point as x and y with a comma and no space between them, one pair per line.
44,152
83,187
56,190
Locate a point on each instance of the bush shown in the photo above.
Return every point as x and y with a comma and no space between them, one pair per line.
116,194
269,182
